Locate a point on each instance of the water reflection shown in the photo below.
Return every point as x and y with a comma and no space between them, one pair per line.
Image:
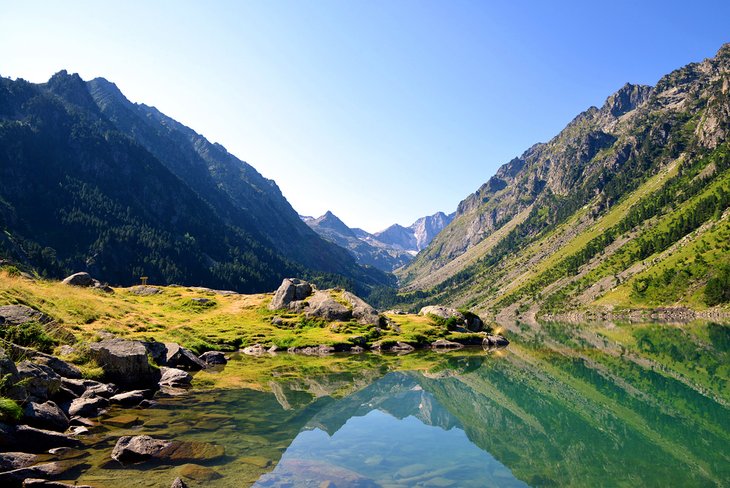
533,416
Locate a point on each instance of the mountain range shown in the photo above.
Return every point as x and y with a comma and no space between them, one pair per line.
387,250
625,207
92,181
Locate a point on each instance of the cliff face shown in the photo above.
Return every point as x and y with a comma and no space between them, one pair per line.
555,191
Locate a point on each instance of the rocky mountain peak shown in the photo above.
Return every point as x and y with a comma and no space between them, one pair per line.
71,88
626,99
332,222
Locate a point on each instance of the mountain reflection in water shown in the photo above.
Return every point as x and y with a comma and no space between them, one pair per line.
530,416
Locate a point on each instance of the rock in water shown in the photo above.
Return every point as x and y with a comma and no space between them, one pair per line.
124,362
213,357
175,378
45,416
132,449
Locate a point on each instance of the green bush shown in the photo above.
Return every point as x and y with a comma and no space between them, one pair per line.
29,334
10,411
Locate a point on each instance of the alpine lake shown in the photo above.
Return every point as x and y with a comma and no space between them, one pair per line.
571,405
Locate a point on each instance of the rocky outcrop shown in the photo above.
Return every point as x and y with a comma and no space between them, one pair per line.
324,306
441,311
290,290
444,344
21,314
495,341
124,362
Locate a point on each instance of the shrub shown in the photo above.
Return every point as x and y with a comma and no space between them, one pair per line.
10,411
30,334
717,290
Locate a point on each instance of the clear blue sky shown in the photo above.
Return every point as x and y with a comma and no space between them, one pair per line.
381,111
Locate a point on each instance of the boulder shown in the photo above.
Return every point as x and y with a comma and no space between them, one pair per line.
324,306
79,279
46,415
62,368
177,356
213,358
145,290
178,483
16,460
443,312
34,382
361,310
88,406
495,341
444,344
130,398
255,350
175,378
392,346
124,362
79,386
290,290
132,449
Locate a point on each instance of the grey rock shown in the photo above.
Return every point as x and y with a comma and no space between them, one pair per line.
145,290
79,279
62,368
178,483
132,449
130,398
361,310
17,477
16,460
124,362
322,305
175,378
90,406
30,439
213,357
35,382
255,350
79,386
444,344
395,347
443,312
20,314
46,415
290,290
105,390
7,366
177,356
495,341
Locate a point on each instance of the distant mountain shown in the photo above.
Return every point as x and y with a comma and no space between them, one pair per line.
626,207
358,242
387,250
91,181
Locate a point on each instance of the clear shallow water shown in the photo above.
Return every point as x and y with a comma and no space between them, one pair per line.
524,417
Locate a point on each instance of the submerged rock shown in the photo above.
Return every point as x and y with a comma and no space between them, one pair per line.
132,449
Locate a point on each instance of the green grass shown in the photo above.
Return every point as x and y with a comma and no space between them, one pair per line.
10,411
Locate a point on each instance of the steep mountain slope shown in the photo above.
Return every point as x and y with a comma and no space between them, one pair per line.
233,188
78,193
365,250
609,203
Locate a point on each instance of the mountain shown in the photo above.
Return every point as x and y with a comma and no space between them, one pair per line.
386,250
625,207
94,182
359,243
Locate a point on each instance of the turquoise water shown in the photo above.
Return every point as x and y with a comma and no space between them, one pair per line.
523,417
